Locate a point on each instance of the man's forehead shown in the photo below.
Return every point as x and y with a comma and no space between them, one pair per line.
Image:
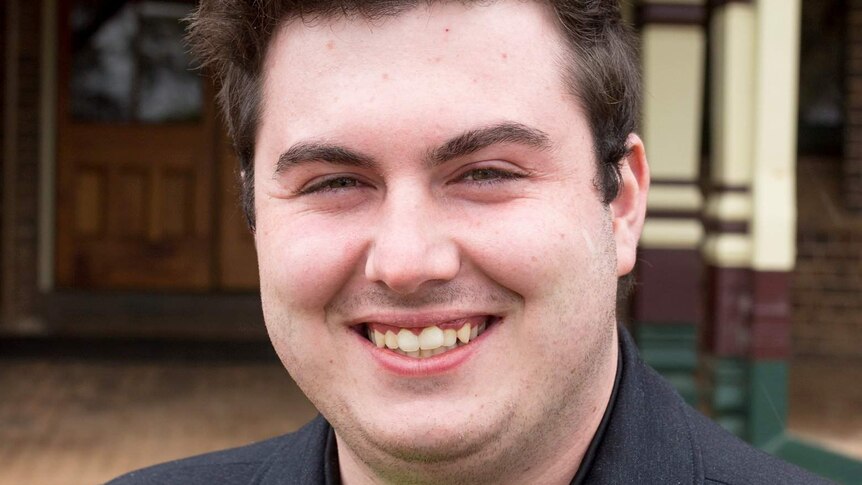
416,80
437,34
374,12
374,15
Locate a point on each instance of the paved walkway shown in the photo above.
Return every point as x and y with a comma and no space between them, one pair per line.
826,403
67,420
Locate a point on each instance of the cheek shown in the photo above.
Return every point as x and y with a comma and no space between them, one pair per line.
305,261
532,250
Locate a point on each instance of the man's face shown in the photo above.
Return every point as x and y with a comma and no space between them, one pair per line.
432,169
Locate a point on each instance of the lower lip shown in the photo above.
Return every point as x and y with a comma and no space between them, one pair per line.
403,365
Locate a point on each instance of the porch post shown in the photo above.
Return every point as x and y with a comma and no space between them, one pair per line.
774,215
667,304
727,215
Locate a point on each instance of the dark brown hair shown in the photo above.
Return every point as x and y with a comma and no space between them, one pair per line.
232,36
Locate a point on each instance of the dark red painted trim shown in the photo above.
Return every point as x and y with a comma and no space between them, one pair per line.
726,227
671,14
673,182
770,316
728,311
720,3
672,214
669,286
729,188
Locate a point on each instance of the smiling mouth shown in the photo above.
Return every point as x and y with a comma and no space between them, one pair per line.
430,341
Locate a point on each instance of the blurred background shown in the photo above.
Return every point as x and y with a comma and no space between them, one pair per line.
130,327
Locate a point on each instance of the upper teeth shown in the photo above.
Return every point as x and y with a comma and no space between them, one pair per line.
431,340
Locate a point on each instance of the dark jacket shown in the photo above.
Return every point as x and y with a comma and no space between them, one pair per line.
652,437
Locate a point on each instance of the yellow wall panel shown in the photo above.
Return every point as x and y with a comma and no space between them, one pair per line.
673,58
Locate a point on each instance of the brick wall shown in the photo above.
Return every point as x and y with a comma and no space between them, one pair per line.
2,134
27,173
827,293
852,185
827,281
22,277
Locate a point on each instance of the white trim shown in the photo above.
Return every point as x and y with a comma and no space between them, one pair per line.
671,197
728,250
774,183
671,234
47,147
729,206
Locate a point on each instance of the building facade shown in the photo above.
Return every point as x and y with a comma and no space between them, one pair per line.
119,212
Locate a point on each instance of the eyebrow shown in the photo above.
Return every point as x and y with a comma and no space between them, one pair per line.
478,139
311,150
457,146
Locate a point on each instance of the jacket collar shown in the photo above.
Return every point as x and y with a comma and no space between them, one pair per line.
648,439
298,460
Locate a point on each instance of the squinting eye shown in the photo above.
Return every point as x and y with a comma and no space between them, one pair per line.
481,175
333,184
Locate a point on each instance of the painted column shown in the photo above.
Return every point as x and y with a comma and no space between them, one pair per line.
773,215
728,245
751,227
667,305
750,213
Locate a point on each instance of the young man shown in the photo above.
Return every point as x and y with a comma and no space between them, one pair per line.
444,196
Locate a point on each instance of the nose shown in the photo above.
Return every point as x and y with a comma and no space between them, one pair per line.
411,245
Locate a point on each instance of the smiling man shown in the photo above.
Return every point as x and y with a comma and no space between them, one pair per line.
444,196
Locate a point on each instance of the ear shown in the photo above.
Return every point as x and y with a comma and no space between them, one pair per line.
629,208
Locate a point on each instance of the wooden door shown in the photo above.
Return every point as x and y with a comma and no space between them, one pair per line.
136,150
237,254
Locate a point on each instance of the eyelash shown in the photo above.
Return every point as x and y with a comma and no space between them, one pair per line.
498,176
326,185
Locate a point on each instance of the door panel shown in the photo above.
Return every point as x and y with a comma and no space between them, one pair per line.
237,256
136,157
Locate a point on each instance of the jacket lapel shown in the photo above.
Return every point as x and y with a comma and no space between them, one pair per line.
648,439
299,460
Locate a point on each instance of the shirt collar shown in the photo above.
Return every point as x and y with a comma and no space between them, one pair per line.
590,455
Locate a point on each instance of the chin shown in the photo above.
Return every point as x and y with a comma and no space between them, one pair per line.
430,439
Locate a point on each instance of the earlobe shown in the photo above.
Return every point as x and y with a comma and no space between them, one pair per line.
629,208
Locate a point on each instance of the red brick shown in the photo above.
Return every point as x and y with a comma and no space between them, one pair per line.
827,281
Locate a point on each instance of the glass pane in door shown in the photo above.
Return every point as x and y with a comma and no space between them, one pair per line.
130,64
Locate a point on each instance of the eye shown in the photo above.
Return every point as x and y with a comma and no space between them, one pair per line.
332,184
489,175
